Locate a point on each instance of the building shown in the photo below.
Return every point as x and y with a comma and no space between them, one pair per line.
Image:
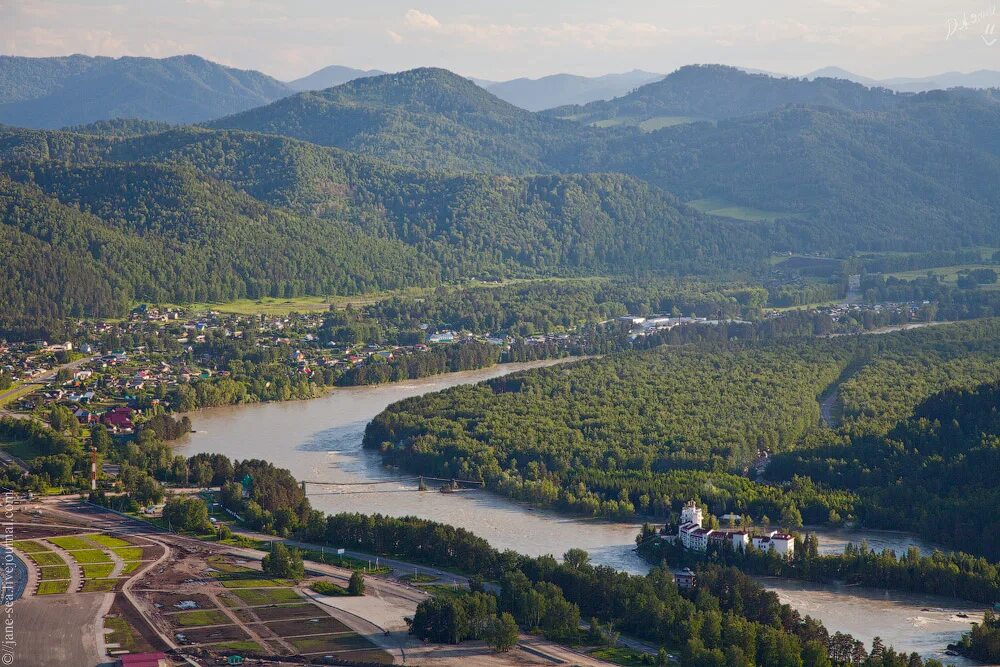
781,543
684,579
693,536
144,660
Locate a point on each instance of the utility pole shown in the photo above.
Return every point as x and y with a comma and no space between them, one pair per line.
93,468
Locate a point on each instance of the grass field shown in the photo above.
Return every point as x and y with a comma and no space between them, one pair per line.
200,617
246,647
46,558
660,122
53,587
131,566
89,556
97,570
28,547
128,553
725,209
120,634
108,541
946,274
99,585
71,543
54,572
621,656
263,596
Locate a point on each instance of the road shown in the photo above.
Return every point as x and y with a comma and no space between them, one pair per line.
828,409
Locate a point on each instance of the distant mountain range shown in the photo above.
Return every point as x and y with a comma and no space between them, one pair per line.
56,92
562,89
331,76
983,78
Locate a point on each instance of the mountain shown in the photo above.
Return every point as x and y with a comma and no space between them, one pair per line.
57,92
426,118
331,76
713,92
194,214
562,89
983,78
914,177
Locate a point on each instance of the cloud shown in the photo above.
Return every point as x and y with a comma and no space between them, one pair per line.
418,20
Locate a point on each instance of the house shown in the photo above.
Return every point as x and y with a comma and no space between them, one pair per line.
118,418
684,579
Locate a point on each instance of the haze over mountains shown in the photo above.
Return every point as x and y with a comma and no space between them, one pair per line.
56,92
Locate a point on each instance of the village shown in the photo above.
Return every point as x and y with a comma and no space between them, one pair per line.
111,372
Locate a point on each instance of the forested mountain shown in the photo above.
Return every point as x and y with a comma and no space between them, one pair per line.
983,78
315,211
853,173
86,240
331,76
426,118
716,92
559,90
917,176
56,92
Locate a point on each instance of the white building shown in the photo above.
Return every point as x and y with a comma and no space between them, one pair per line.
693,536
781,543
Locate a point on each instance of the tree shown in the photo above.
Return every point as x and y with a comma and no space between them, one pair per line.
283,563
61,418
187,514
101,438
502,633
576,558
356,586
791,518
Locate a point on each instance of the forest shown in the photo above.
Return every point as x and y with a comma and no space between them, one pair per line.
641,432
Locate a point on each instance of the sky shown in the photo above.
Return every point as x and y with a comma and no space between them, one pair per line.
503,39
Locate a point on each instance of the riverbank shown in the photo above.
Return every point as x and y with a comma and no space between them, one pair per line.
321,440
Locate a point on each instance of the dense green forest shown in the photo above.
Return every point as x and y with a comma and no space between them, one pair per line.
194,215
643,431
933,472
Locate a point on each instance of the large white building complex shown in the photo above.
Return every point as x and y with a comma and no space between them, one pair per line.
693,536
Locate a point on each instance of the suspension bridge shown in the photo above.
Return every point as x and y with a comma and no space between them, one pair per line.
446,485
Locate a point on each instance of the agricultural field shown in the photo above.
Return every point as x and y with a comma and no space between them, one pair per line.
946,274
725,209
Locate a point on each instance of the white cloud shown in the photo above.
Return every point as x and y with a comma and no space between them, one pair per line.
418,20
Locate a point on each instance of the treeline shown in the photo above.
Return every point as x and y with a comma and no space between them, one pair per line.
409,366
952,574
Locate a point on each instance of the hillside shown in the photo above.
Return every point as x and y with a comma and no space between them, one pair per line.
111,233
425,118
278,215
915,177
713,92
58,92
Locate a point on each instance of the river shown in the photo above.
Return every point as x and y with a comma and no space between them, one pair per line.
320,440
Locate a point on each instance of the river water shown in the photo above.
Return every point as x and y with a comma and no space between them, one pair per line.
320,440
